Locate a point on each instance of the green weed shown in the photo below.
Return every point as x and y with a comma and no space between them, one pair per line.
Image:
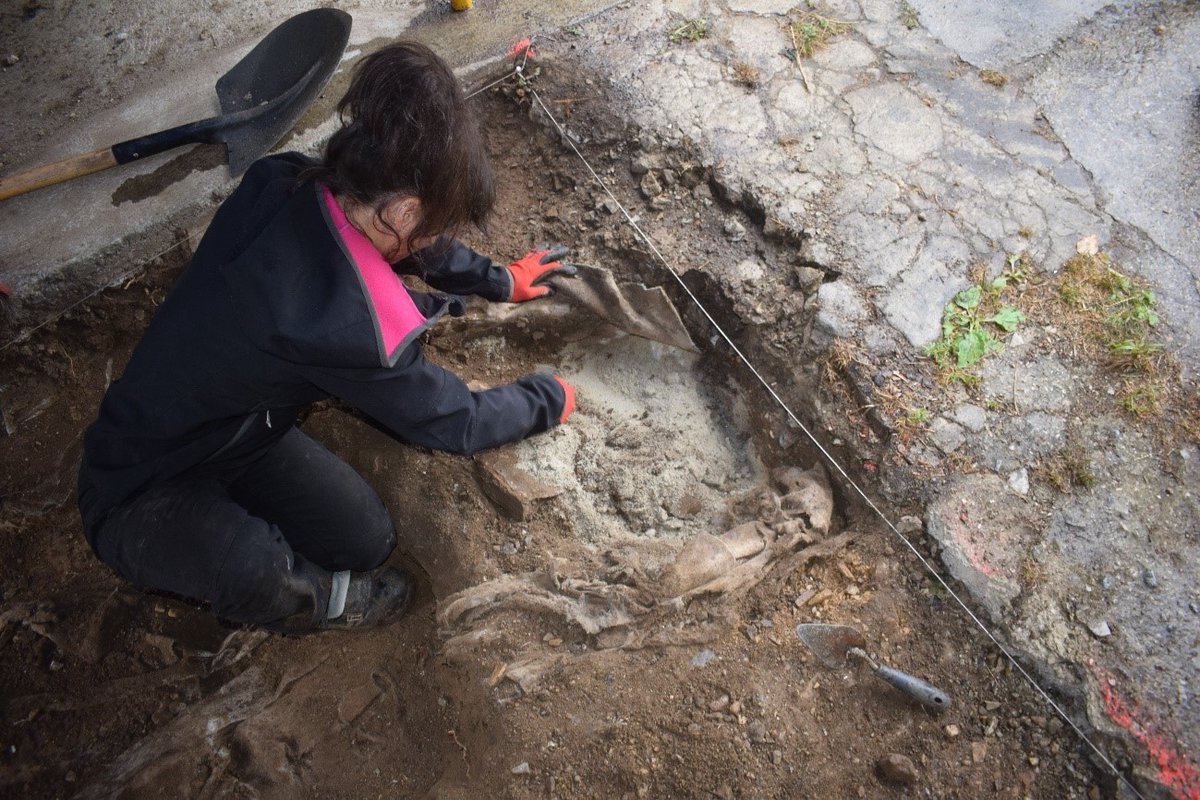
811,31
974,322
908,16
692,30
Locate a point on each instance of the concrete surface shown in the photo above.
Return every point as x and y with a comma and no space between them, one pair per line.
901,168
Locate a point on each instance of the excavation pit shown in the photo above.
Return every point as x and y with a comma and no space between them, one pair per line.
626,632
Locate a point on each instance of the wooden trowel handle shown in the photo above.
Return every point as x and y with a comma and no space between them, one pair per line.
59,171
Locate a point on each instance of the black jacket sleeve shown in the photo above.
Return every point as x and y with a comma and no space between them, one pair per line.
420,403
450,266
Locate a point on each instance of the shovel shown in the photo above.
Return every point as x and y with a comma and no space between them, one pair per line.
261,98
833,643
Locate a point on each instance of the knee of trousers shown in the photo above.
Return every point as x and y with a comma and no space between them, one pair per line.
377,543
263,580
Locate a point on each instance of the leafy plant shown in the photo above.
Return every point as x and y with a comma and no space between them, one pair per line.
908,16
974,321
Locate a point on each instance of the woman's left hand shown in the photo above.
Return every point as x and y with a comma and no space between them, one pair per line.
535,266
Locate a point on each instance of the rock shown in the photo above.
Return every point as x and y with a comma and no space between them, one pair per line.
842,307
809,279
749,271
511,488
650,186
896,768
10,59
971,417
1149,579
703,658
734,230
521,769
1019,481
978,752
952,730
1100,629
947,436
720,704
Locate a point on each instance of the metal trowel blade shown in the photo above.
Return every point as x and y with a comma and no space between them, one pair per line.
830,643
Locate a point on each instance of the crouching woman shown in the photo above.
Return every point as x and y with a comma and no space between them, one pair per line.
195,479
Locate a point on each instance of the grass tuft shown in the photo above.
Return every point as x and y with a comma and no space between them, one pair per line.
812,31
993,78
692,30
746,75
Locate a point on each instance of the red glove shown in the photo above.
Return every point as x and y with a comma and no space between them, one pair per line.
568,399
535,266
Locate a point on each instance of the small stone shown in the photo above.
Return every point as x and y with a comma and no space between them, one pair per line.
70,776
1150,579
809,279
11,59
909,524
120,36
650,186
978,752
720,704
735,707
1034,761
734,230
776,757
1019,481
952,730
703,658
1100,629
521,769
896,768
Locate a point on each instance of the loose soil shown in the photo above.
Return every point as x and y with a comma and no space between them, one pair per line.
111,692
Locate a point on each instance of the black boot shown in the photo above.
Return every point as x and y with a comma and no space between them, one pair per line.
381,595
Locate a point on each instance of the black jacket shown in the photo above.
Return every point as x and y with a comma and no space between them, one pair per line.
278,309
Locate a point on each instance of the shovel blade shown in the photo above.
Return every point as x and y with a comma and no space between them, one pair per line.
282,75
830,643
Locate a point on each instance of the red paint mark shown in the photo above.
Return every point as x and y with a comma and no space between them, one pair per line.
978,561
5,291
522,47
1180,776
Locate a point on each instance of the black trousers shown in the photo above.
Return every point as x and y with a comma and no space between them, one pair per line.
260,545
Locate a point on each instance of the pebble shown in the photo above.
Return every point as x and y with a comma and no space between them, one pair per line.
720,704
734,230
1150,579
11,59
897,768
776,757
702,658
650,186
521,769
1100,629
952,730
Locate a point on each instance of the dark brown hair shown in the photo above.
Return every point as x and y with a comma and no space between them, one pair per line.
406,131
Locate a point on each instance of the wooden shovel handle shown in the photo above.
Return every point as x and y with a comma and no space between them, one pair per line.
59,171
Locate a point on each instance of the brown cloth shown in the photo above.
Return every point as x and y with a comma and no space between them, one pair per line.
631,307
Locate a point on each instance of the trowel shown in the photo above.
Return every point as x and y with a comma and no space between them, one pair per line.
833,644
